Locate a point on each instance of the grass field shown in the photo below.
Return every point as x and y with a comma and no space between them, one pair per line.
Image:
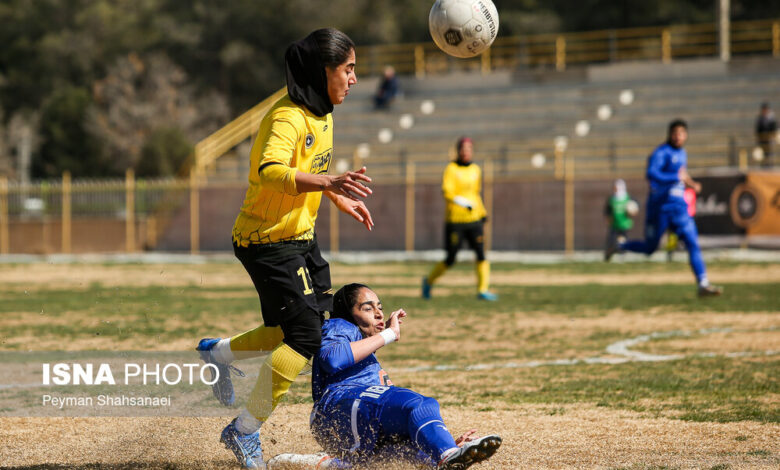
577,366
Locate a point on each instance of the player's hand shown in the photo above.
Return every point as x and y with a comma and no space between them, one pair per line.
394,322
467,436
357,209
350,184
696,186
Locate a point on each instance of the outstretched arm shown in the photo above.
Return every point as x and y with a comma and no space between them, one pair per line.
350,184
338,355
282,178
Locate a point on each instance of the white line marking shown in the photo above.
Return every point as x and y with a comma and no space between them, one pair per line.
619,348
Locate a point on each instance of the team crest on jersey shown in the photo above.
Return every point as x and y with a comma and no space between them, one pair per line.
321,162
309,140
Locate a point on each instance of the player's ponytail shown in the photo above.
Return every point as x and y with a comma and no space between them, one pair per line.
344,299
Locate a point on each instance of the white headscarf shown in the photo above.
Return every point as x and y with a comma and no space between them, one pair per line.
620,188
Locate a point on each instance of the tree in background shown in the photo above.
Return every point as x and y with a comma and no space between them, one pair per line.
142,96
56,54
164,153
66,144
6,163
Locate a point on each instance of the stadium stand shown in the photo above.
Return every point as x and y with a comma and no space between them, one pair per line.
513,116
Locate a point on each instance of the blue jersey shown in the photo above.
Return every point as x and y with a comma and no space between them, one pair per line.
359,416
335,367
663,168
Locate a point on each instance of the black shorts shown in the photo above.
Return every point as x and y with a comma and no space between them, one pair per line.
473,233
290,278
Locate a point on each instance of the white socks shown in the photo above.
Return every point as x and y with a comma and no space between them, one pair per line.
704,282
222,353
246,423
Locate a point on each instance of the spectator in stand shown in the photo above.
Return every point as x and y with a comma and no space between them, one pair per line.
388,89
766,132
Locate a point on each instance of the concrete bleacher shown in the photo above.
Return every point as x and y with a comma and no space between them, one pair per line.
511,119
514,115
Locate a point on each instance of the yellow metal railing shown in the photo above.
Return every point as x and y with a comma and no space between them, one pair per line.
559,51
243,127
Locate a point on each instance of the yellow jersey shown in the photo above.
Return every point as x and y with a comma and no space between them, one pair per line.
463,183
290,139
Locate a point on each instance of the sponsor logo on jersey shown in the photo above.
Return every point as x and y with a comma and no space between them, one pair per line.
321,162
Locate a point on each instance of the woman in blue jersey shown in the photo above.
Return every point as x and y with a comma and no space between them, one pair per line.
358,414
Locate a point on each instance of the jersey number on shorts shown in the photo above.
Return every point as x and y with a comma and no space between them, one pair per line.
304,273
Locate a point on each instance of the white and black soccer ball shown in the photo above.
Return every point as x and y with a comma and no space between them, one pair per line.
463,28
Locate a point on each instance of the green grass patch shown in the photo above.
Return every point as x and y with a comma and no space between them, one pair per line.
694,389
596,299
460,330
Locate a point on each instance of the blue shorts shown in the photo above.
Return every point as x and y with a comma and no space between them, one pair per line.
361,423
666,215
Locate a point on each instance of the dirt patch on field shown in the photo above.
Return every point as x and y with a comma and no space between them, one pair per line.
756,341
743,273
81,276
575,437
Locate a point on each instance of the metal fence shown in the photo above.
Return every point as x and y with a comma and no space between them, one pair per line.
559,51
129,215
55,212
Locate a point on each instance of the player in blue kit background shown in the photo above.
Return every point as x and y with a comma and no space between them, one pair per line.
668,177
359,415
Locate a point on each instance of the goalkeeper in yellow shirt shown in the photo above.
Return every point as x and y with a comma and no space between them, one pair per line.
274,237
465,219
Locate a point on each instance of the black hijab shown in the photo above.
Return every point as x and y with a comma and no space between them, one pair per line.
344,299
307,83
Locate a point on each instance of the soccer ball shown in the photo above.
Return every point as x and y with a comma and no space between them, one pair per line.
632,208
463,28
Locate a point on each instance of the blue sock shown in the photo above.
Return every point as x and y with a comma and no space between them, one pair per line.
697,262
427,429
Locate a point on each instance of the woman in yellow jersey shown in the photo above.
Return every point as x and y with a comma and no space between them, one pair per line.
274,237
465,219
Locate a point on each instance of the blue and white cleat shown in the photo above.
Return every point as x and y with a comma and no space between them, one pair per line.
246,447
426,288
489,296
223,387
